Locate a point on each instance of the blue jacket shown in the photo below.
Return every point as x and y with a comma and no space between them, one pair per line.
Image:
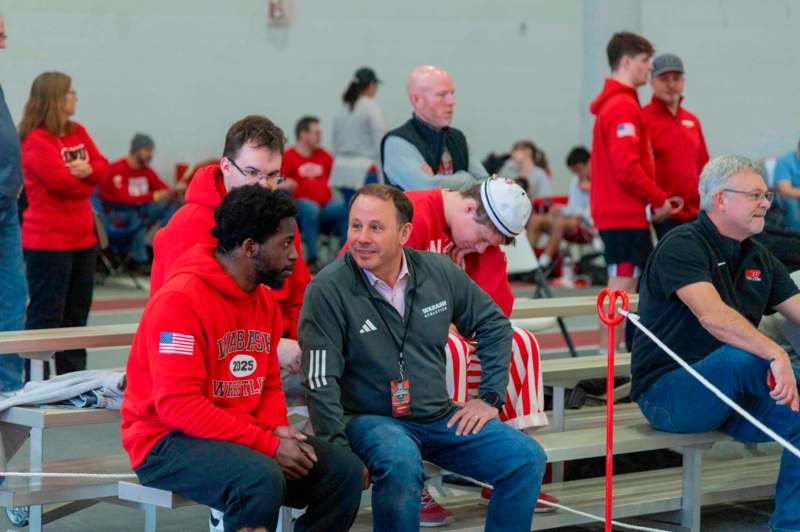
10,155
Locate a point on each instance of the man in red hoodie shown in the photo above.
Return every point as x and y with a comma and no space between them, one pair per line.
623,179
679,148
204,413
252,154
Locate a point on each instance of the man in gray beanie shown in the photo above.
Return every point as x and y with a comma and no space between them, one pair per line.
135,197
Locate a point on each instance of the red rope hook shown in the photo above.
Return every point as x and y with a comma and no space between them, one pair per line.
608,315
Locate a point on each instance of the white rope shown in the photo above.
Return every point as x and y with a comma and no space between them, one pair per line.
37,474
724,398
598,518
577,512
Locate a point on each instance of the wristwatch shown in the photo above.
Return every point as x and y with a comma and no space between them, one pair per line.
492,399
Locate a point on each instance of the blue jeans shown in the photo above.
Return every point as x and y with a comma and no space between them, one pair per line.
393,450
143,216
13,291
314,219
677,402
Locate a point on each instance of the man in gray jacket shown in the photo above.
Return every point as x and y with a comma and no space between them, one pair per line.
372,330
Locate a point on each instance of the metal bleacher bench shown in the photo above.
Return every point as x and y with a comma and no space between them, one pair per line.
571,435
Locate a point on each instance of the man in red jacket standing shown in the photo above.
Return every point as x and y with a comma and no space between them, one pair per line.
679,148
623,179
204,413
252,154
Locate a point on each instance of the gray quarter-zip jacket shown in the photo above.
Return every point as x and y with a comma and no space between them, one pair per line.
350,356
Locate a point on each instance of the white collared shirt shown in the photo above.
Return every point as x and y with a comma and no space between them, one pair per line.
396,296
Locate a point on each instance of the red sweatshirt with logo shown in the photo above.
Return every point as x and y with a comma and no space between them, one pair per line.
680,152
192,224
311,174
130,186
204,361
59,214
623,178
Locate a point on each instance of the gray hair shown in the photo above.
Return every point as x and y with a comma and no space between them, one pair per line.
716,174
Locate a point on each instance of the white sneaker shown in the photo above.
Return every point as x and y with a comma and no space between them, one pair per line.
215,521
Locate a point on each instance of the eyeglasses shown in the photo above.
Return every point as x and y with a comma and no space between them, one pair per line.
754,196
252,173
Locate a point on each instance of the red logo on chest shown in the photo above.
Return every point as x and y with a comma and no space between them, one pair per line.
752,275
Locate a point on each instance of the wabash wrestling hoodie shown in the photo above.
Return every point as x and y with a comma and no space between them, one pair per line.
204,362
192,224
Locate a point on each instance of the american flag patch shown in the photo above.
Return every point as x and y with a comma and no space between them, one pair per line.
626,129
171,343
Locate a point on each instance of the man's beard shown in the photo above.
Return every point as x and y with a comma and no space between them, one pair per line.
271,278
143,161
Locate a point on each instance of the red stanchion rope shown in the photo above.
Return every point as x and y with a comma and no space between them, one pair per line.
608,315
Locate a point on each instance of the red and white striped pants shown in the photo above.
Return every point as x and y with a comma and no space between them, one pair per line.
524,405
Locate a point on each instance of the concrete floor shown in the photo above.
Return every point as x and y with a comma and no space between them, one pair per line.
101,440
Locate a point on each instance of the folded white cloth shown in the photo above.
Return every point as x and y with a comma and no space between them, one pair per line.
96,388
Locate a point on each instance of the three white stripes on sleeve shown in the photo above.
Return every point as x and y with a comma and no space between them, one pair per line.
317,368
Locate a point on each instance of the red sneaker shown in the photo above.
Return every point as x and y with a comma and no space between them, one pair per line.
431,513
486,494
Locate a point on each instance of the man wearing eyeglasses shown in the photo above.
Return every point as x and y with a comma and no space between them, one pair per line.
252,155
703,293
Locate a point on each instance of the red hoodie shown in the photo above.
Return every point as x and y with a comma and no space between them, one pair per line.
204,361
680,153
310,173
128,186
623,178
59,213
430,232
192,224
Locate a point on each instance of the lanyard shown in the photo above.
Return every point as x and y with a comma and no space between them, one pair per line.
401,362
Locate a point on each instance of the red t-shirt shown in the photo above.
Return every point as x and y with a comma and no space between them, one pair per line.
59,214
311,174
680,152
127,186
204,361
431,233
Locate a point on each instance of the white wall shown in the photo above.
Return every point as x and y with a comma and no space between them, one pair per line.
184,70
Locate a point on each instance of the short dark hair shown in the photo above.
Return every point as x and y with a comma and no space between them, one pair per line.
250,211
578,155
481,216
403,206
257,130
625,43
304,124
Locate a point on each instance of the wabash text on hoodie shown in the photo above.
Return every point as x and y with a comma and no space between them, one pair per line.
204,362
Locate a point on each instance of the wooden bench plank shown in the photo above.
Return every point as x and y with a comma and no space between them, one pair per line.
58,416
51,340
635,494
569,370
560,306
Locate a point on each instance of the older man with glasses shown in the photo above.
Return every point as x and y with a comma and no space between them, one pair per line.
703,292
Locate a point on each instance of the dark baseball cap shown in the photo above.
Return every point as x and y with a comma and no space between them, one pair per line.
365,75
667,63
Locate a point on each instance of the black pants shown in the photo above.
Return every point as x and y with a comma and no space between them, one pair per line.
250,488
667,225
60,284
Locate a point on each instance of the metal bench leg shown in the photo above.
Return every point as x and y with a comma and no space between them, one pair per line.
691,502
149,518
558,425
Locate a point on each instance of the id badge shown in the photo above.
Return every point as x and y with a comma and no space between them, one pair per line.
401,398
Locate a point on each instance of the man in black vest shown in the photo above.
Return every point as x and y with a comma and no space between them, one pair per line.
425,152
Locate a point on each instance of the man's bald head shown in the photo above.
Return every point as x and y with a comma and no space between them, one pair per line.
431,92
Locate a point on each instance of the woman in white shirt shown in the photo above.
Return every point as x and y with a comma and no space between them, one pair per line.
357,132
